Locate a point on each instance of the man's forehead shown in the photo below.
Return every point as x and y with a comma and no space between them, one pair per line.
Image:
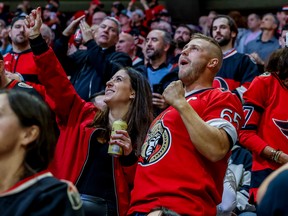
220,21
154,33
284,13
268,16
99,14
198,42
182,28
125,36
110,23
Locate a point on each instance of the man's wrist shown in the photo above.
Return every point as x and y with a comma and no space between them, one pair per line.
34,35
20,76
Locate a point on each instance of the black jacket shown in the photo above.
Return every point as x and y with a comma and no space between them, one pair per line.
90,69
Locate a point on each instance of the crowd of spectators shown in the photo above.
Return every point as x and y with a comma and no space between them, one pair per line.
140,54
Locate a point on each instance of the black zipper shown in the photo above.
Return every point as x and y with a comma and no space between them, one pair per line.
86,159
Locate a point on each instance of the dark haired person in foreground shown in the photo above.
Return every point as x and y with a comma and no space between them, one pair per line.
27,143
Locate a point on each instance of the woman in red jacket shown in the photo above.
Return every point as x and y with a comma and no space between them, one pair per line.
265,130
81,154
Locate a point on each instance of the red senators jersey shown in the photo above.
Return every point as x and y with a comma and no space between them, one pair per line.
171,172
266,123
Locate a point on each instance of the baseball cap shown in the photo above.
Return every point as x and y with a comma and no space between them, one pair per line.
126,13
51,8
139,12
15,19
285,8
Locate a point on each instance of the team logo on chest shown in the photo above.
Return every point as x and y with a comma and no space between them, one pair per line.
157,144
282,125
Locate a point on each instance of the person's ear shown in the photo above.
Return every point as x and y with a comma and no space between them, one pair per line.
166,47
132,95
213,63
233,34
30,134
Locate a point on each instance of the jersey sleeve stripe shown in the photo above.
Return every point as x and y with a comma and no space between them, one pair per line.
225,125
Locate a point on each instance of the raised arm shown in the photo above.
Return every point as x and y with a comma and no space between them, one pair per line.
59,89
212,142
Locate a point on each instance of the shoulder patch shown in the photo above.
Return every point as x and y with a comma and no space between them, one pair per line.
24,85
73,195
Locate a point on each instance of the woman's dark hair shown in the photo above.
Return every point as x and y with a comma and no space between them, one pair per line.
140,114
283,64
272,64
32,111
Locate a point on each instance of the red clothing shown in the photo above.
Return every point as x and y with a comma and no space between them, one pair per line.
266,124
171,172
152,13
74,115
22,63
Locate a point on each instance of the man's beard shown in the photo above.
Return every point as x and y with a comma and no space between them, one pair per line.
21,42
224,41
192,74
154,55
180,44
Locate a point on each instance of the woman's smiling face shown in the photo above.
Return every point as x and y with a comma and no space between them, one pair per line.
118,89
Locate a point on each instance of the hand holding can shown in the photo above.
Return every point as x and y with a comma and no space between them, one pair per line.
115,149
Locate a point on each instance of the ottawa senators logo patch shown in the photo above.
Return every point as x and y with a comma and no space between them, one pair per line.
157,144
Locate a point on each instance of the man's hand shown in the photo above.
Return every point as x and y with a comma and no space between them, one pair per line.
33,22
144,4
86,31
159,101
71,28
71,49
174,94
257,58
14,76
122,138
